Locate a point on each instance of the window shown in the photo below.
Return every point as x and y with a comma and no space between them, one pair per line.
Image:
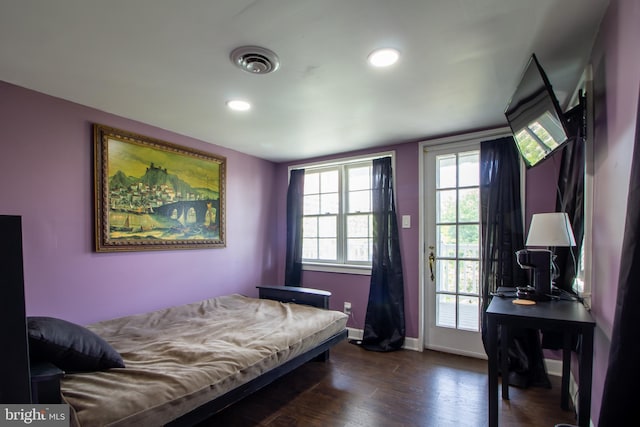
337,227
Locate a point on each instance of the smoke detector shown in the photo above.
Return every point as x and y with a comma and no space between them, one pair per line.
255,59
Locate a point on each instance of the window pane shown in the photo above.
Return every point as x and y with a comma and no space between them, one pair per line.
469,169
469,241
446,240
446,171
329,182
446,311
359,226
469,202
360,201
329,203
310,248
446,206
327,226
469,277
446,275
328,249
311,205
310,227
468,313
531,150
359,249
311,183
359,178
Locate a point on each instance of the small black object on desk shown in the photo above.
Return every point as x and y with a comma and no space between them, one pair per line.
570,317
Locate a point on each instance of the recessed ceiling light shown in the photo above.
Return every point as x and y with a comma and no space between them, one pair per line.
383,57
238,105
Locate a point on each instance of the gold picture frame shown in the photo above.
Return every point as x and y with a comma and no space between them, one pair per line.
155,195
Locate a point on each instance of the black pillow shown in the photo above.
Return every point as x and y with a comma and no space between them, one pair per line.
70,347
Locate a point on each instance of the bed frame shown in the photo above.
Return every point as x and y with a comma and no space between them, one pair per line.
22,383
306,296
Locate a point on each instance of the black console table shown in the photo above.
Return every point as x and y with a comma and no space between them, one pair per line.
307,296
570,317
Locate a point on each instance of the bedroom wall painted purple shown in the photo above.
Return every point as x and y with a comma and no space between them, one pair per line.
540,188
616,73
46,176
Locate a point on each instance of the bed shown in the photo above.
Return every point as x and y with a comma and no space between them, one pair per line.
185,363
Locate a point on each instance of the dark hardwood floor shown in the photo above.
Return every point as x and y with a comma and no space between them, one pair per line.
404,388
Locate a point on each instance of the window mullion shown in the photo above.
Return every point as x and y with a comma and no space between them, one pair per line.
318,236
342,220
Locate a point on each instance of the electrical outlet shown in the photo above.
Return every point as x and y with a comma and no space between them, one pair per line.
347,307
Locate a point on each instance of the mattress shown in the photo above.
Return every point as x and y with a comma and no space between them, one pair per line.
182,357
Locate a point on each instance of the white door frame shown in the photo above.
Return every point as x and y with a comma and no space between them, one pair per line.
469,137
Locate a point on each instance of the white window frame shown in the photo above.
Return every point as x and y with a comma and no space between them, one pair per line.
345,267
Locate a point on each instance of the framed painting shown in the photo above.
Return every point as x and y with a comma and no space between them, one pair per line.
155,195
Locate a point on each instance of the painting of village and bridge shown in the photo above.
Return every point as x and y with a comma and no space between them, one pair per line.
155,195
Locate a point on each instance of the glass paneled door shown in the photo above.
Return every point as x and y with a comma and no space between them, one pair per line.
452,252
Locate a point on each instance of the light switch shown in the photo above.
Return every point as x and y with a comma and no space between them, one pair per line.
406,221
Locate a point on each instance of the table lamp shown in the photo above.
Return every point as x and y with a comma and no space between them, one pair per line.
547,230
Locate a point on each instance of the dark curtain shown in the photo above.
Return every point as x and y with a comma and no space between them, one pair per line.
293,260
571,197
623,374
384,325
502,236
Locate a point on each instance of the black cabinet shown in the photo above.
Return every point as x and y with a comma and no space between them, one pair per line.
14,357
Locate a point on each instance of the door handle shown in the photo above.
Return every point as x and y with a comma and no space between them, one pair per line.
432,261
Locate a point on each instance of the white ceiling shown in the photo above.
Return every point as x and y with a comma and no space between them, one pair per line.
166,63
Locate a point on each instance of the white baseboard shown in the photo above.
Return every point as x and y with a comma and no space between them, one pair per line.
554,367
355,334
456,351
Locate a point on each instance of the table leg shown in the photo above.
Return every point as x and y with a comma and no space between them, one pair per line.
566,370
586,366
504,360
492,349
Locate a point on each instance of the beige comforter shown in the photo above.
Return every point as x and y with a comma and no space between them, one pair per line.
181,357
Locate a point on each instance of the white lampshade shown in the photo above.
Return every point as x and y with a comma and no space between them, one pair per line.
550,229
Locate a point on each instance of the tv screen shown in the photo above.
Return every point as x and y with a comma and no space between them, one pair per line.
535,117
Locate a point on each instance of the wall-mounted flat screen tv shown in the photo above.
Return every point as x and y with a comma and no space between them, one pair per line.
535,117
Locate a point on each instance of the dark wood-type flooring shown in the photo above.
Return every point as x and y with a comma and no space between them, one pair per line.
403,388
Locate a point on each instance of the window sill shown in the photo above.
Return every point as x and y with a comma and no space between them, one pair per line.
364,270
